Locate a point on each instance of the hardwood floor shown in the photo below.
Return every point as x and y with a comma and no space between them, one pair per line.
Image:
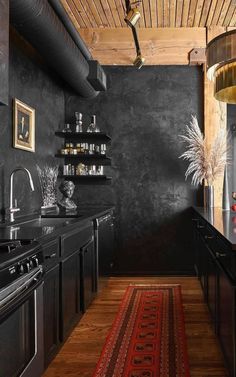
79,355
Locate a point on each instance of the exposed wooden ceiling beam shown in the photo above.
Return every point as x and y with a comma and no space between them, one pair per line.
159,46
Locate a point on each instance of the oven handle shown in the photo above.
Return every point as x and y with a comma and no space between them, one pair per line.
16,292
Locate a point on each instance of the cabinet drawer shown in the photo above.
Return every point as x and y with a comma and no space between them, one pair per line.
225,257
51,254
74,240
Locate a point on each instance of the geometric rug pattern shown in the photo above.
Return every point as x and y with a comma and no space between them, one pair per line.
147,338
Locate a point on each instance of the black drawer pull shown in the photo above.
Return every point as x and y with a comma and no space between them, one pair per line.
208,237
200,226
220,254
51,256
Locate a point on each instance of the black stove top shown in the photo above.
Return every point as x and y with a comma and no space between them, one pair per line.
9,246
17,258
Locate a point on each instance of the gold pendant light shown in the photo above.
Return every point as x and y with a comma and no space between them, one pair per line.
221,66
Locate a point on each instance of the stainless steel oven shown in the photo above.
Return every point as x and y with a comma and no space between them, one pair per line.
21,314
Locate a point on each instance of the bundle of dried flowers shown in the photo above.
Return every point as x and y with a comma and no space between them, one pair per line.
205,163
48,178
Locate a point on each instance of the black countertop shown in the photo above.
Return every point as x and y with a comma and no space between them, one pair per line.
223,221
43,227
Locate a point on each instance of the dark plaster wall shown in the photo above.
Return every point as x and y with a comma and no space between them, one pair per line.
31,83
231,126
144,112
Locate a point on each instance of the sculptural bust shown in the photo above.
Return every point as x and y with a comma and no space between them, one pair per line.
67,190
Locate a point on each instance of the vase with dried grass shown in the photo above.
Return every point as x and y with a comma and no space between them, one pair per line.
206,162
48,179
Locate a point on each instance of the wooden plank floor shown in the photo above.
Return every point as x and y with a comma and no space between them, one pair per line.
80,353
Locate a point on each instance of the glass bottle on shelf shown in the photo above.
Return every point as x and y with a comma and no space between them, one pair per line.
78,122
93,125
103,148
67,128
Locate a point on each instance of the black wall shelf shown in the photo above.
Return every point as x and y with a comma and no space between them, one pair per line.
96,136
91,159
95,159
86,179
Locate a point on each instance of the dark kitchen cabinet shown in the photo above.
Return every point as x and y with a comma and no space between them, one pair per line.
200,255
215,266
105,244
70,294
88,290
76,263
51,314
51,299
212,275
226,319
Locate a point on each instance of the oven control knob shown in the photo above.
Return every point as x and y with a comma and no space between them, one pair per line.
35,262
21,269
26,267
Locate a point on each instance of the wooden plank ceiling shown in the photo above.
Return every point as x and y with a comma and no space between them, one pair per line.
154,13
168,29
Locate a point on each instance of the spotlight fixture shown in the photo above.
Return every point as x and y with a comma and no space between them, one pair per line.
139,61
132,17
221,66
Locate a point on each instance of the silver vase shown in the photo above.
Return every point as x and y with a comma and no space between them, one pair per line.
208,196
225,194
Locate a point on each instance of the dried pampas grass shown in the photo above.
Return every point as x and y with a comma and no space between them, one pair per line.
205,163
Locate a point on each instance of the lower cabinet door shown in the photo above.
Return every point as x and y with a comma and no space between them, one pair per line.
70,294
212,271
87,275
226,320
51,314
201,261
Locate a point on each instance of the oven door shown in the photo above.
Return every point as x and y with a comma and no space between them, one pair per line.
21,327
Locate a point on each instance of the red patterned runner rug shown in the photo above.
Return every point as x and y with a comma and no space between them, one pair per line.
147,338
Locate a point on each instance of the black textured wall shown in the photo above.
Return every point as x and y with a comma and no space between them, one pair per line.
231,126
31,83
144,112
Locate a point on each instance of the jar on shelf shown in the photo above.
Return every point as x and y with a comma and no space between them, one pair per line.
71,147
73,151
86,148
97,149
80,169
103,148
67,128
78,147
82,147
63,151
93,125
91,149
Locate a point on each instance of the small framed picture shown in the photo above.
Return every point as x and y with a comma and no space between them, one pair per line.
23,126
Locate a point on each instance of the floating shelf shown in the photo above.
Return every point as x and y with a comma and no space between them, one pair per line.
83,136
95,159
86,179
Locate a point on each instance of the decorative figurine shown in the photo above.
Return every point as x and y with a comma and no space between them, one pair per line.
67,190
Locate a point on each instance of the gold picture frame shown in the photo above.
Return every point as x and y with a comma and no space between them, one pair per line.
23,126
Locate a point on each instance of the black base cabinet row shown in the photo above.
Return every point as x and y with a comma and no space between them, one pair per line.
69,285
214,259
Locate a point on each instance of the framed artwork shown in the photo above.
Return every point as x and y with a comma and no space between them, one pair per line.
23,126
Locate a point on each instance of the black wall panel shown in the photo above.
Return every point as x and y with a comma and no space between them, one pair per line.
31,83
144,112
4,50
